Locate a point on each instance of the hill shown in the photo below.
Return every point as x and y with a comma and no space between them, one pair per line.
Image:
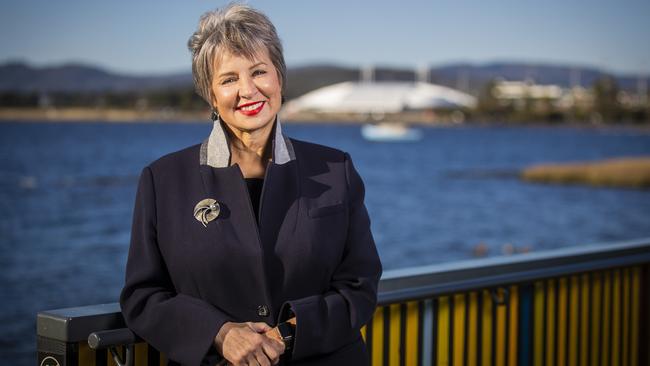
24,78
21,77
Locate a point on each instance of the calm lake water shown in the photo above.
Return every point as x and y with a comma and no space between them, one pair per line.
67,190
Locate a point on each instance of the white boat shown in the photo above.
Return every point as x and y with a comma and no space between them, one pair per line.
388,131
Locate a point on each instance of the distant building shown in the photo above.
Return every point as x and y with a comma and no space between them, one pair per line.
576,97
515,90
380,98
528,95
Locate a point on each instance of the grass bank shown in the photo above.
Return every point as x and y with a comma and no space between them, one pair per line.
622,172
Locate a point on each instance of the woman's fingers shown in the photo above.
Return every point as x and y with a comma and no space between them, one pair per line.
273,349
259,327
261,358
243,345
274,335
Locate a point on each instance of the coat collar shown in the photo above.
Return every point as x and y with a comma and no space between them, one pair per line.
236,224
215,150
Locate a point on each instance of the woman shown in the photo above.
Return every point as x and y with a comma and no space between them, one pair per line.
251,248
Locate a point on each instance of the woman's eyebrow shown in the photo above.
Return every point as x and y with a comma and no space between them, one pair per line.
228,73
258,64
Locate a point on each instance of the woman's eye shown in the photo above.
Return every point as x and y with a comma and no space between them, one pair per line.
227,81
259,72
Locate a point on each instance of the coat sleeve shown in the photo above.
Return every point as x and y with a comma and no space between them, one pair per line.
331,320
181,326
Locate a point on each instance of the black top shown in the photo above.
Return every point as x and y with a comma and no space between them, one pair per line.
255,191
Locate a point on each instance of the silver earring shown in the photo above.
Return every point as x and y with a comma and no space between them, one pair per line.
214,116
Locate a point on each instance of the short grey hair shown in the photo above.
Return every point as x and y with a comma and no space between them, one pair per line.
238,29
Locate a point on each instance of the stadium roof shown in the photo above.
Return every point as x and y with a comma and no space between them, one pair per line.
380,97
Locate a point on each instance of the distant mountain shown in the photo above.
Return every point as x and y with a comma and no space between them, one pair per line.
21,77
303,79
473,76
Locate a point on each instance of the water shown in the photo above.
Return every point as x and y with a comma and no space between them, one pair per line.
67,190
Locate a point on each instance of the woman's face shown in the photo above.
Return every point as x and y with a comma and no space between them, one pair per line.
246,93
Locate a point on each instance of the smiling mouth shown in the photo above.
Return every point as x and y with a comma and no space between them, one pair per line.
250,106
251,109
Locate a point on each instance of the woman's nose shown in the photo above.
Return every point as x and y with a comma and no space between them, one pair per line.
247,88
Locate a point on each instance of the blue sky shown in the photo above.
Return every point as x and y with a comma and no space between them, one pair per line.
150,36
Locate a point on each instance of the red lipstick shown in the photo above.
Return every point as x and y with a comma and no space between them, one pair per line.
251,112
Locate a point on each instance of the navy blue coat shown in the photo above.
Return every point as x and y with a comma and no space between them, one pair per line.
311,253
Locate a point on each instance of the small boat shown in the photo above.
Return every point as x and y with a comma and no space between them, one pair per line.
390,131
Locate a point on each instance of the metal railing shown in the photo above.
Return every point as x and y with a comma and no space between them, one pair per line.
575,306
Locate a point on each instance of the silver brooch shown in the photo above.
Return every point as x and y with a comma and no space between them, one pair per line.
206,210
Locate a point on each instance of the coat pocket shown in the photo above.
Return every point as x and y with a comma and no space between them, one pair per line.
315,212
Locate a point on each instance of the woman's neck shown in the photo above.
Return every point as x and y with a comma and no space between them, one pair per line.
251,150
246,143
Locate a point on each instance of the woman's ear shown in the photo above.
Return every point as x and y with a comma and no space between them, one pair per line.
213,103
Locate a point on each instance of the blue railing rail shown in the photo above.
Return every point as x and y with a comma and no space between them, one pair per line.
513,310
417,283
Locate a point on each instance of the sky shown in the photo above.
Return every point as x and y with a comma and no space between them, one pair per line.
149,37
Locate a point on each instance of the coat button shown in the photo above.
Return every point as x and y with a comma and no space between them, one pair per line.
262,310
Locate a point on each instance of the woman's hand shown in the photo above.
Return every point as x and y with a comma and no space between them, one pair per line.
274,333
246,344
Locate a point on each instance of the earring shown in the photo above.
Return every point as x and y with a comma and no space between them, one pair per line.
215,115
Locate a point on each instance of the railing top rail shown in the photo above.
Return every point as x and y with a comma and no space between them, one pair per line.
426,281
75,324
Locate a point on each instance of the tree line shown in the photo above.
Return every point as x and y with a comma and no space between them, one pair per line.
605,105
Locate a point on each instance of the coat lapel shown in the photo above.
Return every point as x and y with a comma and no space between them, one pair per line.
236,228
226,186
232,236
225,183
279,202
278,218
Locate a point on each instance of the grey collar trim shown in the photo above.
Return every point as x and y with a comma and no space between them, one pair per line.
215,150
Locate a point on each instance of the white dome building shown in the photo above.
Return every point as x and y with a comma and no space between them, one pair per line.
380,98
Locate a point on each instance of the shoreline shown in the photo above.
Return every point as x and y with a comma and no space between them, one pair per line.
114,115
89,115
